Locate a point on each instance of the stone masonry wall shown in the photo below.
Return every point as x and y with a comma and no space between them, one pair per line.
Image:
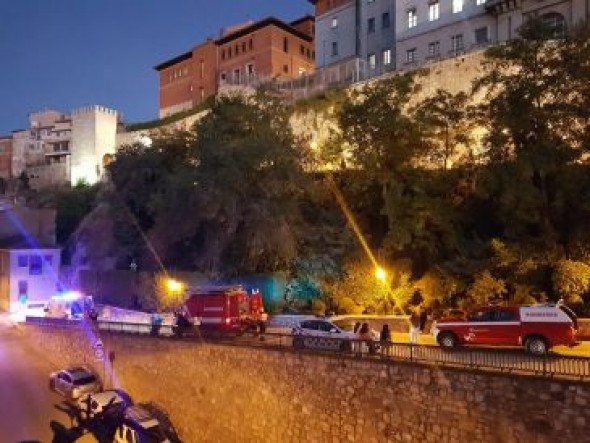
219,393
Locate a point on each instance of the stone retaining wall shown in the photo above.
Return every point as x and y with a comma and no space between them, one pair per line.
219,393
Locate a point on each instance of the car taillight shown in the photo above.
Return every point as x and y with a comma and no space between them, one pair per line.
227,321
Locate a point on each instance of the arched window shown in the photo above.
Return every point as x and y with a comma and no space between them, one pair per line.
555,24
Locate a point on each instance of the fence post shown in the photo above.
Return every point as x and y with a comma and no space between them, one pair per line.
411,351
544,365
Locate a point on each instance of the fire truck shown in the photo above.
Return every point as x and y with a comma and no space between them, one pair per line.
226,308
537,327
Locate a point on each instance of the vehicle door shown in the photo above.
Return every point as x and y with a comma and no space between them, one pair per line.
479,327
329,335
310,332
505,329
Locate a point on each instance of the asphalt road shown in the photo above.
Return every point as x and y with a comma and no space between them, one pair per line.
27,407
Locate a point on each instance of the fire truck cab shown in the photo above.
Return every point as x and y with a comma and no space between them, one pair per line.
537,328
228,308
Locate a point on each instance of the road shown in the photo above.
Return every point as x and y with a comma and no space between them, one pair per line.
28,407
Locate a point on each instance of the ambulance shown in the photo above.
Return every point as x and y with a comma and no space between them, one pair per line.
537,328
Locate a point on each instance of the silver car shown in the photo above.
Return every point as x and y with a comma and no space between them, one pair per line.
74,382
139,426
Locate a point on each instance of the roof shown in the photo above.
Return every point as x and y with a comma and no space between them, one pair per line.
262,24
174,61
302,19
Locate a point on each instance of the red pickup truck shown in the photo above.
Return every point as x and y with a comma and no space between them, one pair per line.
537,327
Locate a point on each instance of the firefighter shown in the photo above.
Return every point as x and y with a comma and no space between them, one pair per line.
262,319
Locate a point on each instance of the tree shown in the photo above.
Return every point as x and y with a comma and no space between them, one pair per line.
446,126
571,280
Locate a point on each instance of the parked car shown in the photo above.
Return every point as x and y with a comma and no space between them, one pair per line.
107,403
537,328
139,426
74,382
321,334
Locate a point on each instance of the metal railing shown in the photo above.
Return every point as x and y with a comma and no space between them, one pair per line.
482,359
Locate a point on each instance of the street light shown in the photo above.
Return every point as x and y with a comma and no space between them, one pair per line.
380,274
173,285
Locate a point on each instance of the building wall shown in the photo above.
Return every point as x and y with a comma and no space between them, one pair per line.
344,34
175,87
5,157
258,395
383,38
305,24
39,287
94,131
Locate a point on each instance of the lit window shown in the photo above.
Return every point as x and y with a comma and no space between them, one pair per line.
411,55
480,2
457,6
334,22
370,25
372,59
434,11
412,18
387,57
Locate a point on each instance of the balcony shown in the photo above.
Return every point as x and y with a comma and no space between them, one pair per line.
497,7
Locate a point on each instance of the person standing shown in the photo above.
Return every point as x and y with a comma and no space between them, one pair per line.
414,327
385,338
423,320
367,338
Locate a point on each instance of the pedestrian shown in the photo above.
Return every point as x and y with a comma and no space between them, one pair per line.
423,320
357,327
356,342
156,323
366,338
385,336
414,327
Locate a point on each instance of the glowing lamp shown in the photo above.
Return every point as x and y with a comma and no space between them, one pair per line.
380,274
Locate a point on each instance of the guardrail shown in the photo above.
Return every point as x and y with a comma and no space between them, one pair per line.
485,359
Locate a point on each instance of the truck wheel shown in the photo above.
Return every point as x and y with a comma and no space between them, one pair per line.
447,340
536,346
298,343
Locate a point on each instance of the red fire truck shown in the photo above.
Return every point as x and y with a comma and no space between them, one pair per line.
538,328
228,308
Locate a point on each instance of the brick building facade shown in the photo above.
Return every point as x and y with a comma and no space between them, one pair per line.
241,56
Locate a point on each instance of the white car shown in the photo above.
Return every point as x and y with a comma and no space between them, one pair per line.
74,382
111,402
322,334
139,426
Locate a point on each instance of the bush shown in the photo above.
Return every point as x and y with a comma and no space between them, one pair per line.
318,307
571,280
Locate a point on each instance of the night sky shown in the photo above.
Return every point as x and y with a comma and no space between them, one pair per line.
64,54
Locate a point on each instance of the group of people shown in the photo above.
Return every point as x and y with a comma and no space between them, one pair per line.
366,336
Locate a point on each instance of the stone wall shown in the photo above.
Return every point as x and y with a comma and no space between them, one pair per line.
228,394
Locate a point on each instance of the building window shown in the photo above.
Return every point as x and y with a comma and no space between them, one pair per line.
285,44
371,25
237,49
223,76
301,72
334,23
457,43
411,55
334,49
229,52
35,265
481,35
23,261
385,20
457,6
236,76
412,18
286,69
434,11
434,49
302,50
387,57
554,23
251,44
243,46
372,60
202,69
480,2
48,259
250,70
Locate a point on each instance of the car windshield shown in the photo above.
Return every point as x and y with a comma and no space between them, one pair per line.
85,380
